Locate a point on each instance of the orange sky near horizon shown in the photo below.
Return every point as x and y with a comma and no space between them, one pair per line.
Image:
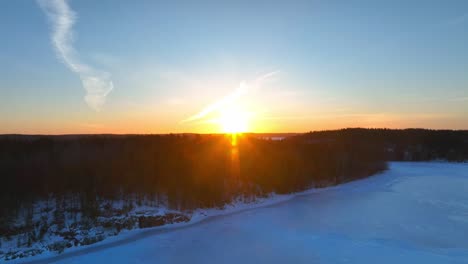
143,125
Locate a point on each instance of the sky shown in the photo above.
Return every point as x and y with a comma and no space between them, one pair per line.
115,66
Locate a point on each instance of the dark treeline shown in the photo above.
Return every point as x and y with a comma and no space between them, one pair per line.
402,145
184,171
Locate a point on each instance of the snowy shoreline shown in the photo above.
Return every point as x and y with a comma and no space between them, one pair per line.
390,177
196,216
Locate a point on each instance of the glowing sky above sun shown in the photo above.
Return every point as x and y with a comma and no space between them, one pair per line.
230,113
117,66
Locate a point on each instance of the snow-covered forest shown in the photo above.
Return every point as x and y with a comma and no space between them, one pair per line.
60,192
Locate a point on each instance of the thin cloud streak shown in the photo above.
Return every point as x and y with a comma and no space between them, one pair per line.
360,116
459,99
243,89
96,83
456,20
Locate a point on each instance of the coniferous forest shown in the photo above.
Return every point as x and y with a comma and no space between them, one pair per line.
187,171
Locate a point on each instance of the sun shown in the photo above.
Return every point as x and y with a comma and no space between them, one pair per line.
233,120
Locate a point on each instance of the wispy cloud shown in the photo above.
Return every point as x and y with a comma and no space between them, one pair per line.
456,20
240,91
96,83
459,99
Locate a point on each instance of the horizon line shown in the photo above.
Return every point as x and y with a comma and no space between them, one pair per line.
222,133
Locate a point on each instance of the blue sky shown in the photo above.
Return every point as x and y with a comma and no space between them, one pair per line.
338,64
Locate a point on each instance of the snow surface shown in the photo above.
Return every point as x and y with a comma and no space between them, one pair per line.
413,213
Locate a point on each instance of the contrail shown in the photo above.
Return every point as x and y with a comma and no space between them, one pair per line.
243,89
96,83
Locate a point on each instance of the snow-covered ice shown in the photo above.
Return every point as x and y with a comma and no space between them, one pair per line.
413,213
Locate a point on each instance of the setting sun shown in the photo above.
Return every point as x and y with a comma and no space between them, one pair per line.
233,120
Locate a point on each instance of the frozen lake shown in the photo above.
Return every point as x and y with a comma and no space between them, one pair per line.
413,213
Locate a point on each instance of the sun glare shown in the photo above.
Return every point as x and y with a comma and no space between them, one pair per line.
233,120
